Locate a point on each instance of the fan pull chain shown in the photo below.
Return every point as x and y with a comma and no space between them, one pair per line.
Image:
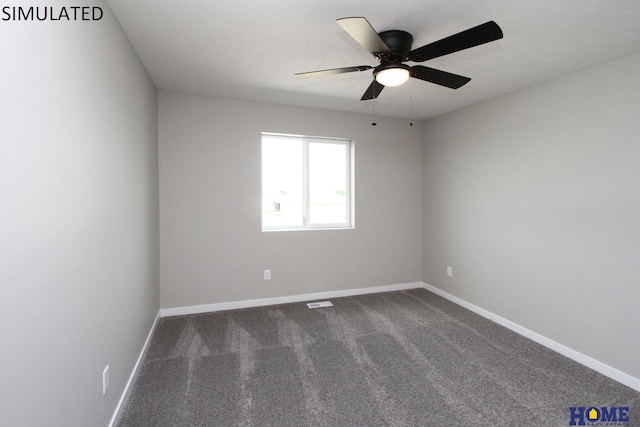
374,107
411,102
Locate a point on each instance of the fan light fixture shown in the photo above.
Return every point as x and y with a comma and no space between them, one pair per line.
393,75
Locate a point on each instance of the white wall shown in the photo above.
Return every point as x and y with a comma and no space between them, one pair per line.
79,218
212,249
534,199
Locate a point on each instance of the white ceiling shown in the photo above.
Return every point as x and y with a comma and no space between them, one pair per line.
251,49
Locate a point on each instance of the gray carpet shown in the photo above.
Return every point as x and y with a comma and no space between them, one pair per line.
406,358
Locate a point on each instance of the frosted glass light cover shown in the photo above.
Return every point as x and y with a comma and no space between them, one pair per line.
392,76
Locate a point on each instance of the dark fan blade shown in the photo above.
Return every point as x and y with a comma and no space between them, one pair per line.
335,71
438,77
485,33
373,91
363,33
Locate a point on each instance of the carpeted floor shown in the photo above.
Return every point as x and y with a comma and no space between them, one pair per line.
406,358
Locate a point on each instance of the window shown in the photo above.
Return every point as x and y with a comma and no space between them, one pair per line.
306,183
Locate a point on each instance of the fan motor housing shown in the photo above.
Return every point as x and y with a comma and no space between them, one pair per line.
399,42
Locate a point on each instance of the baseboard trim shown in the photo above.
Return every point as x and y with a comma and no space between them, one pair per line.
572,354
116,413
234,305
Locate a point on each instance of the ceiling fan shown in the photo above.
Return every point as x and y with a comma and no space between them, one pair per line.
393,48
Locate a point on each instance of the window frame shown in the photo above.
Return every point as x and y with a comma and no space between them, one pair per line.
306,140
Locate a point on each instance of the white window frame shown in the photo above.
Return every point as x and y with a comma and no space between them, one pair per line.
349,223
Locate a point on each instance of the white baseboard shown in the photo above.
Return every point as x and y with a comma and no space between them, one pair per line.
234,305
583,359
114,418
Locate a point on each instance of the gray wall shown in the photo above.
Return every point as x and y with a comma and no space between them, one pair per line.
212,249
534,199
79,218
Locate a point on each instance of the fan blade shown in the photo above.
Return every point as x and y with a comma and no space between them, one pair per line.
484,33
438,77
334,71
363,33
372,91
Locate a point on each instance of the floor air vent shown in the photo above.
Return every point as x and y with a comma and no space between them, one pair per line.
319,304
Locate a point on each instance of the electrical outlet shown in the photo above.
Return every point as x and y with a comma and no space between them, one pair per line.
267,275
105,380
449,271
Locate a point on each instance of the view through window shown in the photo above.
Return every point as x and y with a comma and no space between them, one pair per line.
306,182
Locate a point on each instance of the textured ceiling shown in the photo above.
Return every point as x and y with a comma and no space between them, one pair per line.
250,49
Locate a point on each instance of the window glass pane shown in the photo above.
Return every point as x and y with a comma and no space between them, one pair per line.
282,182
328,183
306,183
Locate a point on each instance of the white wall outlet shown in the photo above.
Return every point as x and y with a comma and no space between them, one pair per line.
449,271
105,380
267,275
